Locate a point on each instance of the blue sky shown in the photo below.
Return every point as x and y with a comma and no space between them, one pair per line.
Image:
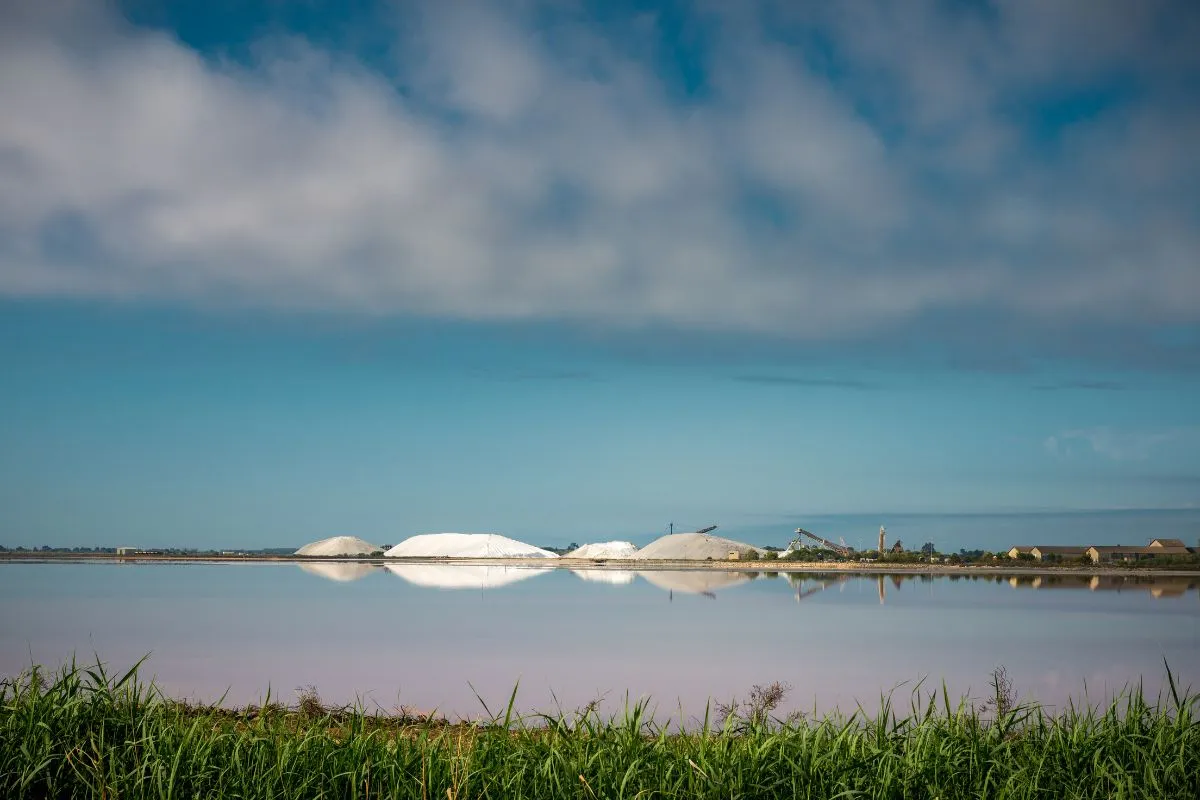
271,272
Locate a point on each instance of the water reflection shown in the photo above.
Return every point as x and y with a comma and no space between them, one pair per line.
707,582
568,641
616,577
463,576
1158,586
703,582
342,573
807,584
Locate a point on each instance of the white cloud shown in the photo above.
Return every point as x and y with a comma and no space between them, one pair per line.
533,174
1114,444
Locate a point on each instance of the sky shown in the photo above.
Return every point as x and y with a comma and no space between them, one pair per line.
570,271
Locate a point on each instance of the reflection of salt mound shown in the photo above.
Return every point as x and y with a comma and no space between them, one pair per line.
604,550
339,546
613,576
463,576
694,581
343,573
692,546
465,545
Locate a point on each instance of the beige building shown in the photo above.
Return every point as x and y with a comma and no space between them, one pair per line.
1173,545
1103,553
1156,548
1043,552
1119,552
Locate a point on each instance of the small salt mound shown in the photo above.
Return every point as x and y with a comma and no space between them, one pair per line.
604,550
692,547
703,581
464,576
465,545
342,573
339,546
616,577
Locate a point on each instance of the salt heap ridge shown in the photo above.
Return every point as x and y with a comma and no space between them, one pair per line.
691,547
339,546
465,545
604,550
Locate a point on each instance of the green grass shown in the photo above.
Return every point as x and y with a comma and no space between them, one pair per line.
84,733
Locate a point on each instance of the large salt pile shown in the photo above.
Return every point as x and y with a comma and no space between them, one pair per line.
465,545
691,547
464,576
339,546
342,573
604,550
616,577
703,581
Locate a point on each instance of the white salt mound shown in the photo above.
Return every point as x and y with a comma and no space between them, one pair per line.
465,545
691,547
339,546
464,576
604,550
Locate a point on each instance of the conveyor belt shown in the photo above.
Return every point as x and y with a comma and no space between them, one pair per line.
840,549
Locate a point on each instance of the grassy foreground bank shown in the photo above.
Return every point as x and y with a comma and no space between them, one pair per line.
86,734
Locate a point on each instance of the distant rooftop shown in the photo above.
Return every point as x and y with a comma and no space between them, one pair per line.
1060,549
1167,543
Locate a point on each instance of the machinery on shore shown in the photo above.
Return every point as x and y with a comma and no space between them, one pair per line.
841,549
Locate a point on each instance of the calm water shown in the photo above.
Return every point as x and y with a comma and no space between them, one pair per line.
422,636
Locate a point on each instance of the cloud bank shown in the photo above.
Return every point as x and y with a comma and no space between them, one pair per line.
1117,445
822,173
